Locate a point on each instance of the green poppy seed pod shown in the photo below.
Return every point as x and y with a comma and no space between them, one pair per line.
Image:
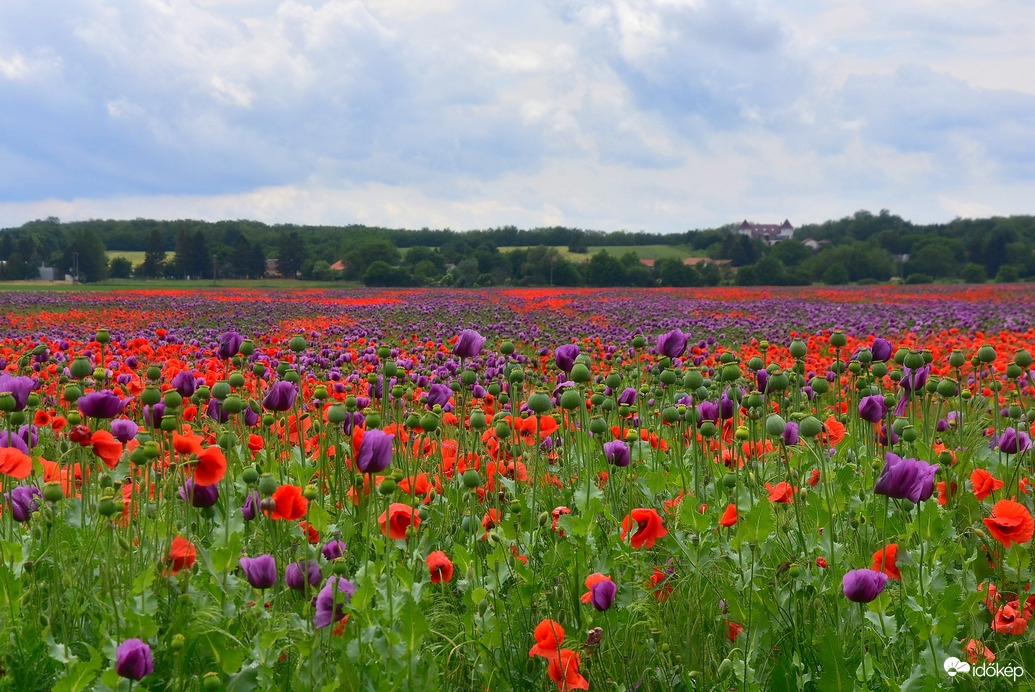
310,492
913,359
154,372
570,399
506,348
900,355
298,344
80,368
138,456
71,394
741,433
502,430
819,385
753,400
727,357
259,369
1013,371
544,518
899,425
865,356
250,475
268,485
102,336
220,390
74,417
838,366
909,433
226,440
798,348
247,347
515,507
472,479
778,382
320,392
336,414
729,480
389,368
879,369
384,351
580,373
638,341
756,363
516,375
838,339
957,359
597,425
151,450
947,387
493,389
293,376
1015,411
372,420
613,380
928,355
172,399
608,404
52,491
986,354
775,425
268,419
730,372
169,423
597,399
855,367
809,427
478,419
177,642
932,385
429,422
539,402
211,682
707,429
1022,358
106,506
468,377
669,414
236,379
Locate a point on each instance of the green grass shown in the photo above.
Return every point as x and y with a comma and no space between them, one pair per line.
134,256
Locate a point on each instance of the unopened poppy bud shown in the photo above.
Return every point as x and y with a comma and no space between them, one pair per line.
250,475
387,487
211,682
125,544
470,573
106,507
310,493
52,492
472,479
372,421
429,422
71,394
178,640
494,537
169,423
339,566
544,518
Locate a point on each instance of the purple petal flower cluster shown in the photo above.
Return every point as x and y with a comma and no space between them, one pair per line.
906,479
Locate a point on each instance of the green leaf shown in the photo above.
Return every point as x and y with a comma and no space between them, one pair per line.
834,674
756,525
225,557
79,675
245,681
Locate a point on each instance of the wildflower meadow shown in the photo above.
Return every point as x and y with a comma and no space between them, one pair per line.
527,489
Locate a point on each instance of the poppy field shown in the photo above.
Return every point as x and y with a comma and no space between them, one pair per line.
517,489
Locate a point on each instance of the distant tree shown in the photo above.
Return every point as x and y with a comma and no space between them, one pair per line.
539,267
835,275
120,268
578,243
1008,274
154,256
89,252
466,272
604,270
291,254
973,273
363,254
769,271
16,268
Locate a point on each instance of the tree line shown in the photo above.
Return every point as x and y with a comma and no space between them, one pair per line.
864,247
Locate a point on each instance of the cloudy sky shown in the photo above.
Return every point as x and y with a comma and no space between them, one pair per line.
662,115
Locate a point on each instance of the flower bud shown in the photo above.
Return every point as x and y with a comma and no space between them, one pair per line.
267,485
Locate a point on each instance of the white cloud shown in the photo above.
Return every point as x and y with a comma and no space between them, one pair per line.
653,114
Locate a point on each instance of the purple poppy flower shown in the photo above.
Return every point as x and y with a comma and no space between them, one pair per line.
261,572
12,440
250,508
709,410
228,344
439,393
602,595
906,479
617,453
469,344
153,414
102,404
790,433
133,660
23,501
124,429
19,387
1011,441
882,350
672,344
565,356
872,408
330,602
296,579
333,550
627,397
199,496
280,397
185,383
215,411
251,418
863,585
375,451
914,379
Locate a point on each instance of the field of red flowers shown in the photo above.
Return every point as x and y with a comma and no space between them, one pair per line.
527,489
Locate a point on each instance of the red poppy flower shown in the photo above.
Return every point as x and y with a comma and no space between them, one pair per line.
42,418
834,431
107,448
1009,620
592,579
1011,522
944,491
649,527
15,463
733,630
396,519
564,670
440,566
311,534
783,492
556,514
813,479
884,560
211,467
984,484
182,555
290,503
729,517
976,650
188,444
548,637
661,593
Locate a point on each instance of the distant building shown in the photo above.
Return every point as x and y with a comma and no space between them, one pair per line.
338,266
699,261
271,268
46,273
647,262
813,244
768,233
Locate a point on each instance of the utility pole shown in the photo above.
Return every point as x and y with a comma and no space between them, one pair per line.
75,259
